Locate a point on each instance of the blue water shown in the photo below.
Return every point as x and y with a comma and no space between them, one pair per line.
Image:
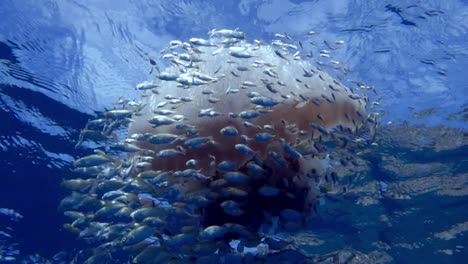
62,61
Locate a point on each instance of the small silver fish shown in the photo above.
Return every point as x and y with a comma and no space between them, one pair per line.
249,84
227,165
231,207
189,57
162,139
165,76
319,116
319,128
281,55
185,173
213,100
140,214
198,142
125,147
218,184
235,177
146,85
205,112
182,126
270,86
92,160
202,42
228,33
263,101
242,68
249,114
178,117
240,54
244,149
246,138
229,131
213,232
229,41
230,204
263,137
119,113
143,165
207,92
78,185
168,153
200,176
164,112
137,235
270,72
285,35
111,195
290,150
248,124
161,104
253,94
204,77
160,120
192,163
278,159
254,169
190,80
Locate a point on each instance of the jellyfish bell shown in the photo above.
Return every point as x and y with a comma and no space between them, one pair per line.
291,100
301,101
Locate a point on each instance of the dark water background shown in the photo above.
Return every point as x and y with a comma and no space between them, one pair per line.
60,61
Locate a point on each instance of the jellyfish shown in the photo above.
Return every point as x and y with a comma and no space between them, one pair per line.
246,104
233,139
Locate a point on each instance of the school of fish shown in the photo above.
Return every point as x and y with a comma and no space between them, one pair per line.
231,142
